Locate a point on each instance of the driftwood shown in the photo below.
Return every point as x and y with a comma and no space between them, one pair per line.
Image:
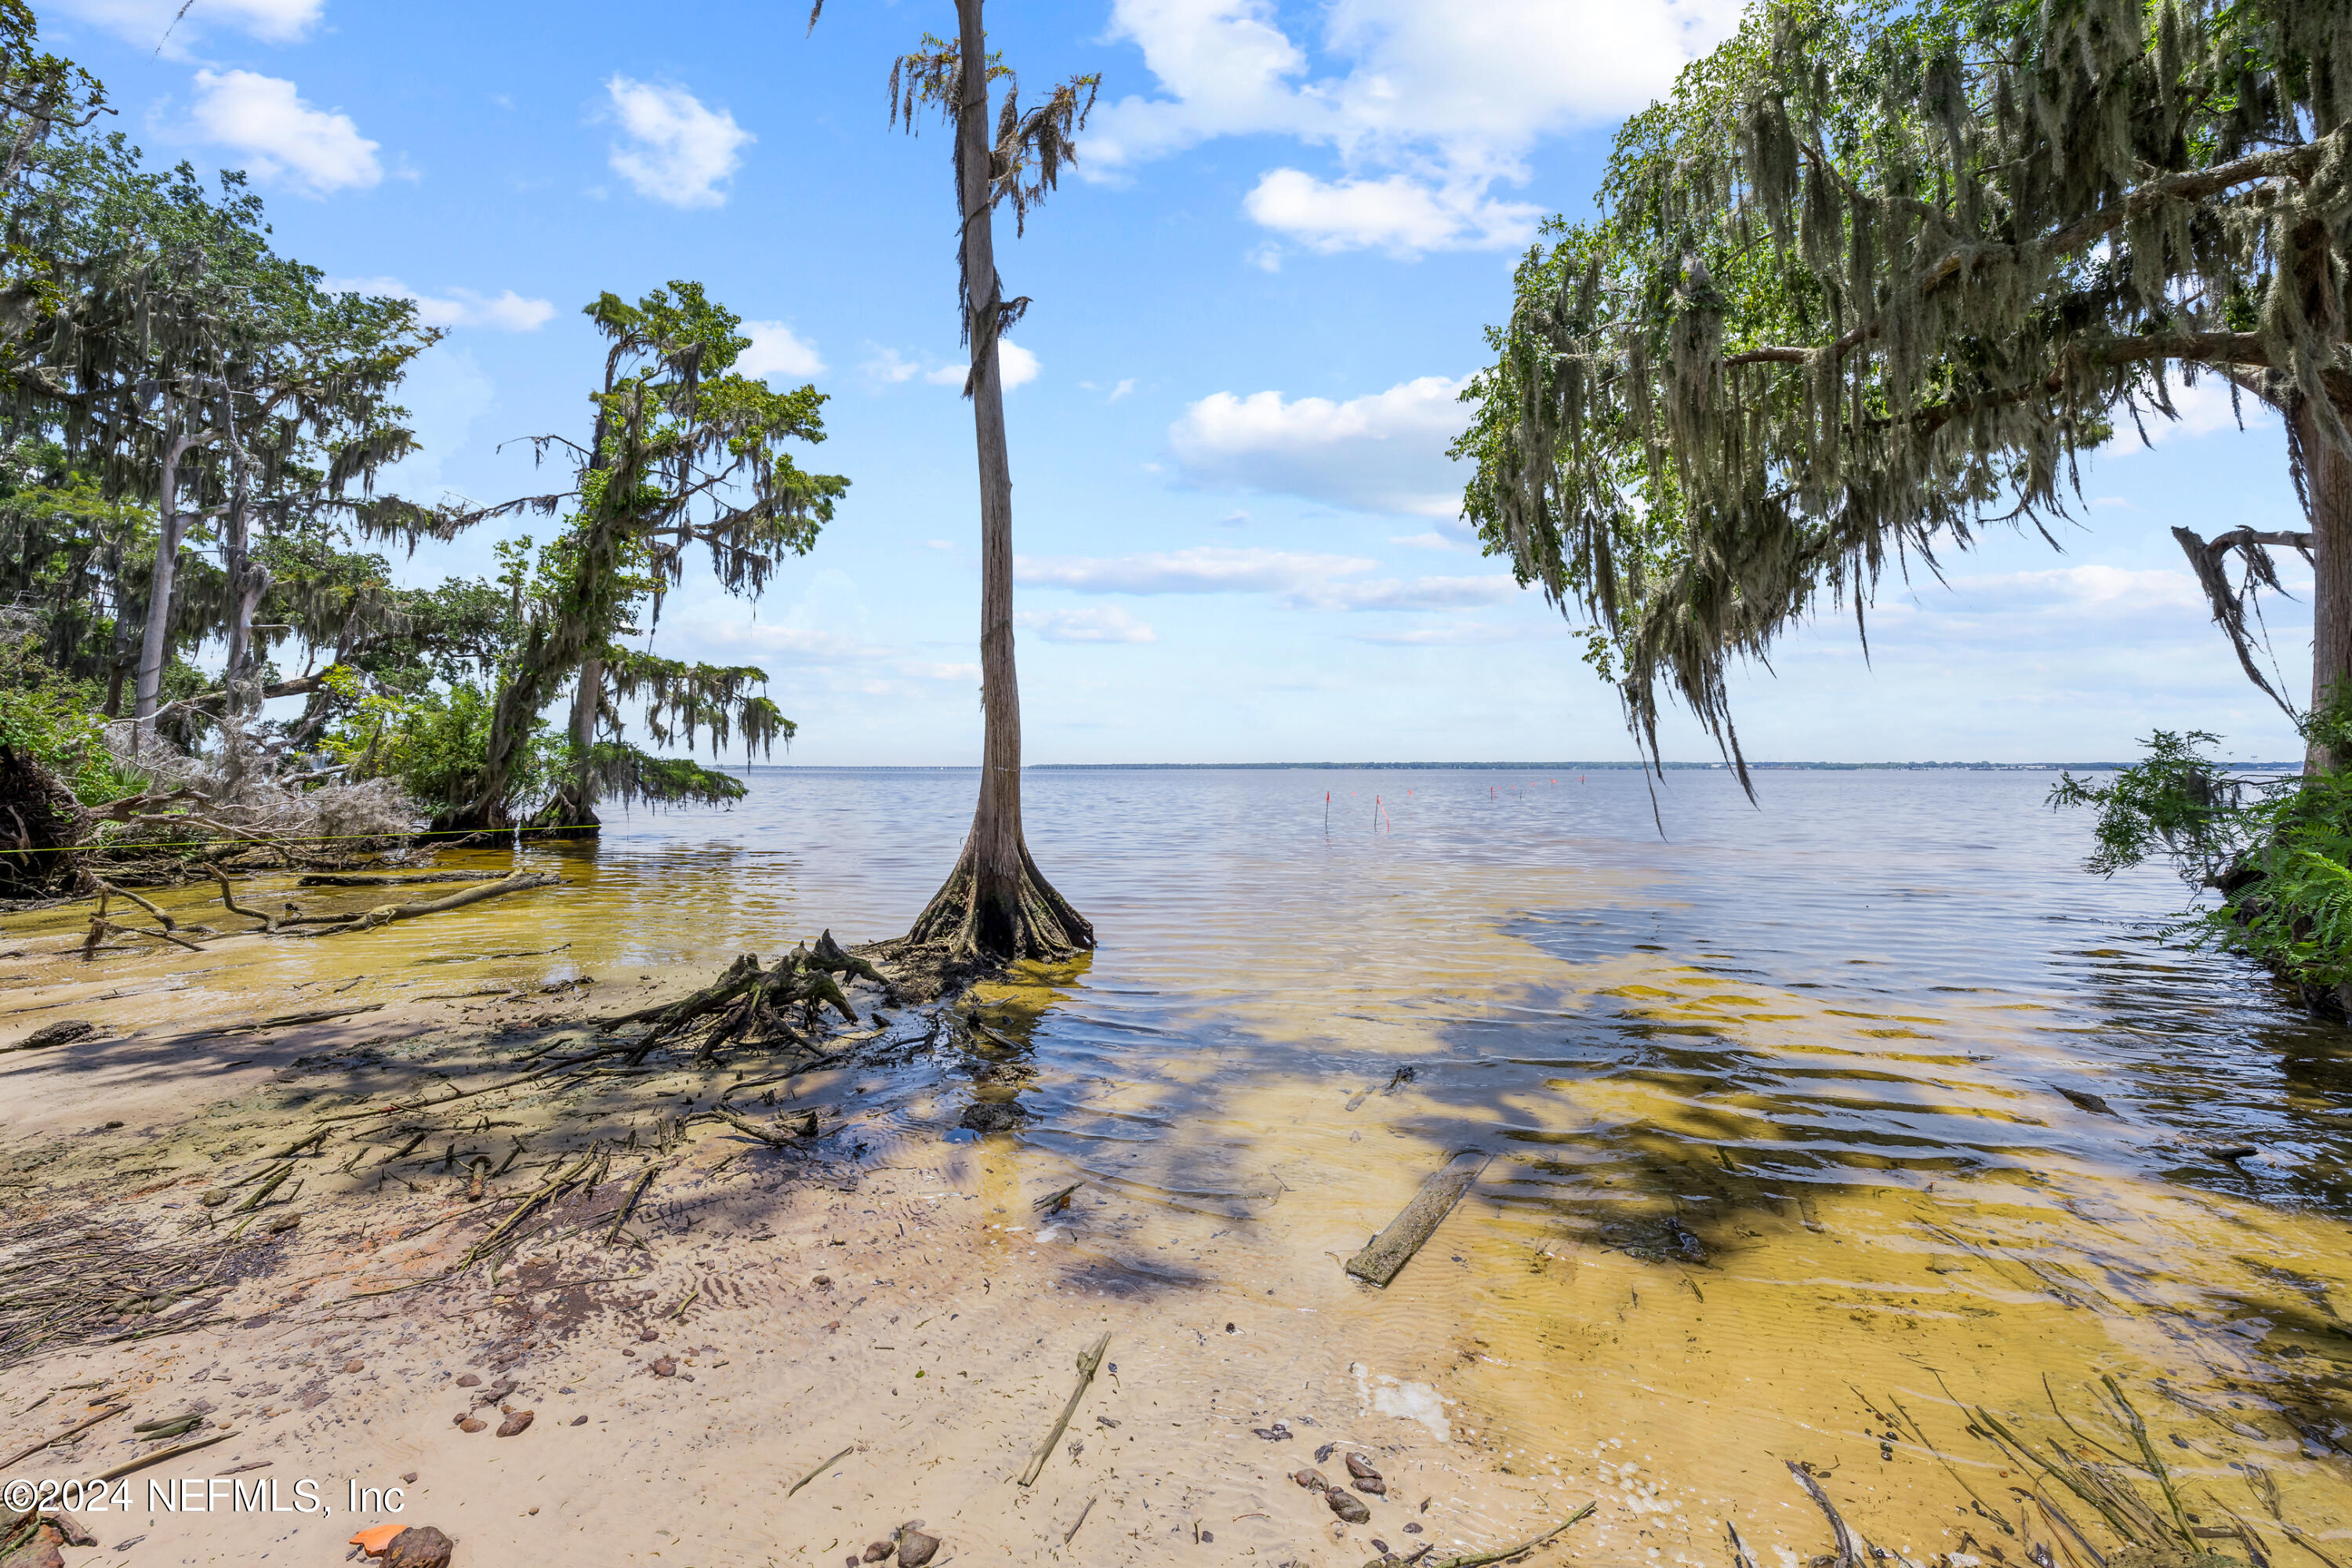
1089,1362
1390,1251
1479,1559
122,1470
54,1436
385,914
402,879
750,1002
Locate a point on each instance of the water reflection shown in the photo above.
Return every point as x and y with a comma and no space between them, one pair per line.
1870,1090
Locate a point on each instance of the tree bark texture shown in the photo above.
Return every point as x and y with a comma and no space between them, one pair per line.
155,642
996,905
2327,484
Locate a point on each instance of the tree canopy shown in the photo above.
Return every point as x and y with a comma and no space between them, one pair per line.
1875,275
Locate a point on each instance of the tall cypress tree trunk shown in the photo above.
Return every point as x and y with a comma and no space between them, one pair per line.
2327,482
572,813
996,905
154,645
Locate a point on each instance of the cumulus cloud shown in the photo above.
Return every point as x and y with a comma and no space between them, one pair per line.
674,149
284,139
1439,102
1305,582
509,312
1202,569
1400,215
171,25
1383,452
2204,408
1106,624
777,350
1015,365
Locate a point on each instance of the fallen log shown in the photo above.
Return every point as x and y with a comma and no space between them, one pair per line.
402,879
1390,1251
385,914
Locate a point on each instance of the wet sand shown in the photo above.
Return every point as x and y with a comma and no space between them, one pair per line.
1755,1200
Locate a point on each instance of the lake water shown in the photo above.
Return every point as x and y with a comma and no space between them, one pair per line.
1781,1163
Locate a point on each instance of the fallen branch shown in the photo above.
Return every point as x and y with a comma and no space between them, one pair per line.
1479,1560
821,1469
122,1470
228,903
105,886
1089,1362
374,879
629,1203
385,914
54,1437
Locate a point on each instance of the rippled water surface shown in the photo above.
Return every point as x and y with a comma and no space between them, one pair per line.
1862,1103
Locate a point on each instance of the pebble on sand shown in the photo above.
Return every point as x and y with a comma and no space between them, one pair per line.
516,1424
469,1380
915,1548
666,1367
877,1550
1348,1508
467,1424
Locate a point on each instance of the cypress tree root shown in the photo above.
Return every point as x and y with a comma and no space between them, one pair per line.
980,921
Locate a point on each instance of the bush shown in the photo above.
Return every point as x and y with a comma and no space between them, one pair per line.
2278,849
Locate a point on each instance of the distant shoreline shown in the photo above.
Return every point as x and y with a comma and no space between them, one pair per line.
1470,767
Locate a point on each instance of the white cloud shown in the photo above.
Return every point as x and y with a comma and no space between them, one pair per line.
777,350
509,312
887,367
1202,569
1433,539
1400,215
2077,590
1015,364
1104,624
937,544
1304,582
677,150
2204,408
1445,98
1121,390
313,151
160,23
1384,452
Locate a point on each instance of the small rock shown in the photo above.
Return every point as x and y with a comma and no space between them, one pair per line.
1277,1433
648,1333
418,1546
469,1381
1380,1546
915,1548
1323,1454
408,1479
666,1367
470,1424
822,1281
516,1424
631,1354
354,1366
1411,1528
580,1421
1105,1421
534,1510
1361,1468
1346,1507
877,1550
1231,1330
1372,1484
1311,1479
1208,1537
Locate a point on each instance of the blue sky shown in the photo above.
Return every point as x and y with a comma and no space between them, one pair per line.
1252,307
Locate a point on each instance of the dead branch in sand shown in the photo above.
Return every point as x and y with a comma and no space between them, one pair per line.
1089,1362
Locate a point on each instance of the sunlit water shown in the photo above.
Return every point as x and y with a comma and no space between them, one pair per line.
1773,1099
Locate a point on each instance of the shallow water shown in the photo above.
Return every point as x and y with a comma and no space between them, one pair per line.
1772,1101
